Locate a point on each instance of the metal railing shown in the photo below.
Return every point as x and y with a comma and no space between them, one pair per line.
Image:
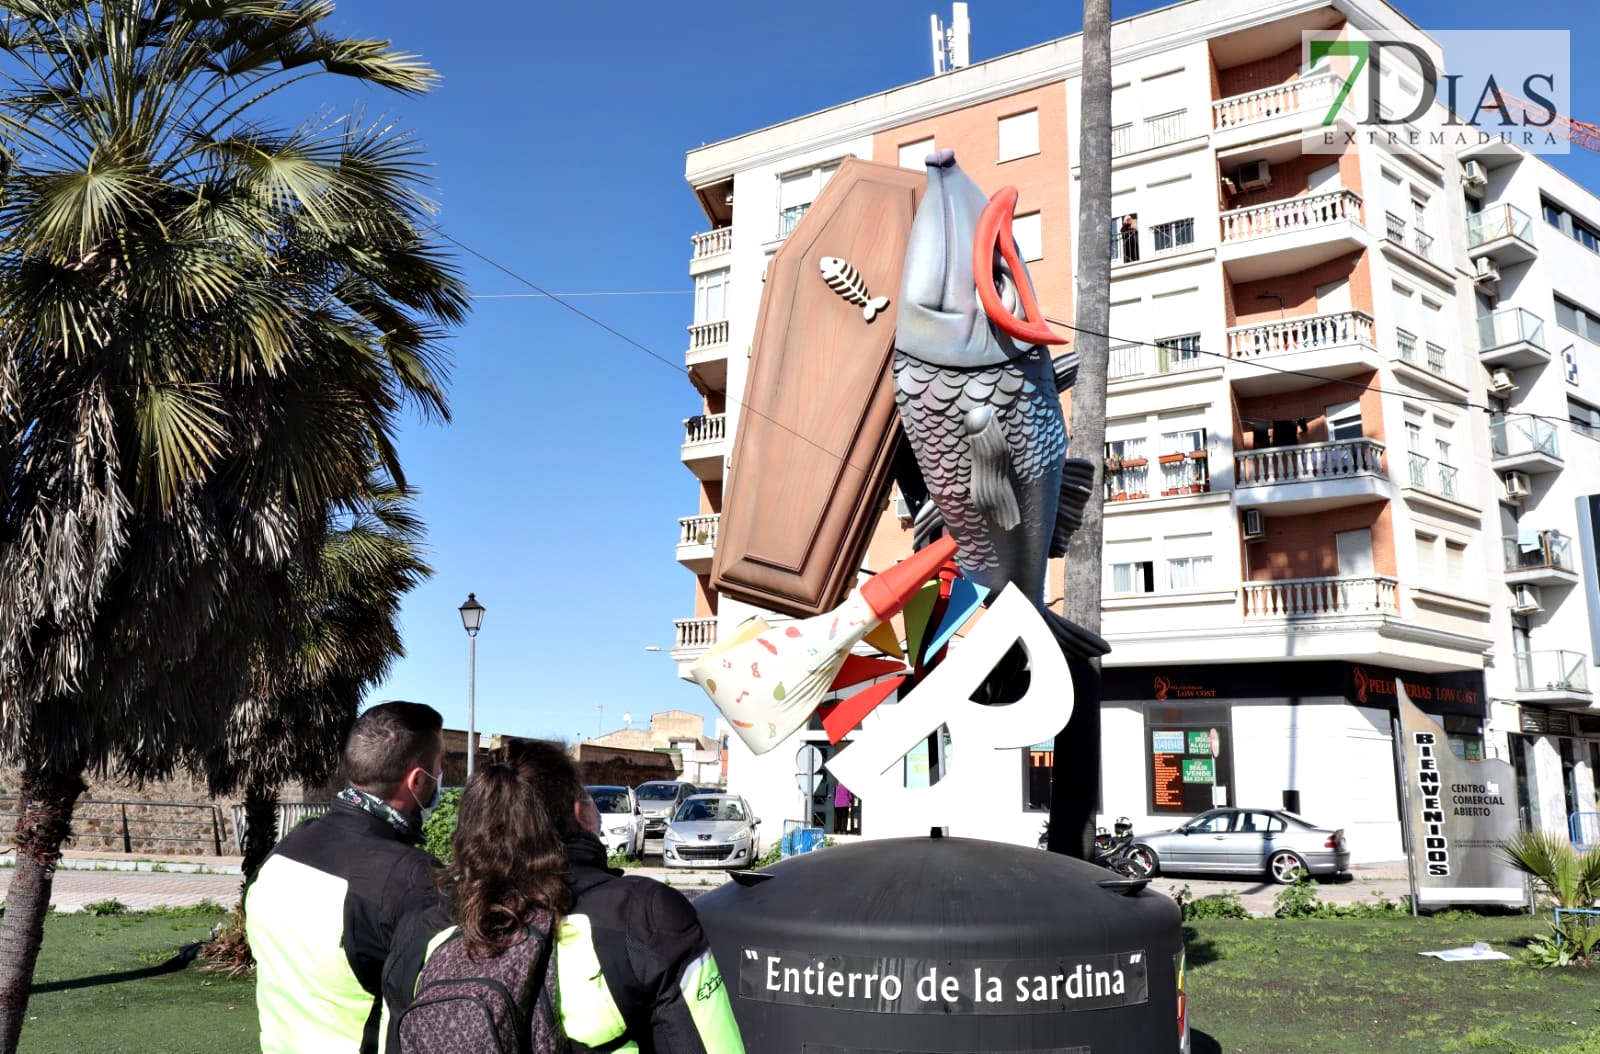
705,335
1291,214
1420,241
1291,598
1552,671
710,243
1122,139
1496,222
1438,360
1164,128
1313,93
1407,343
1340,459
1423,474
1306,333
698,530
1143,360
1546,549
1510,325
1172,236
108,822
1510,436
705,428
290,815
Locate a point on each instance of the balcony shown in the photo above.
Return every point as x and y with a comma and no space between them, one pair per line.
1525,443
1553,677
705,445
1435,477
1165,129
1541,559
1331,346
707,359
1128,361
1503,233
1311,477
1422,356
1296,108
697,542
1320,598
711,243
694,636
1289,235
1511,337
1413,238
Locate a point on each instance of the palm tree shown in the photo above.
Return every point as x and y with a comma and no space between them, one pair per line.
212,327
1076,775
1568,879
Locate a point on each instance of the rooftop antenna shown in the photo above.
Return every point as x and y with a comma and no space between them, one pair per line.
951,47
627,720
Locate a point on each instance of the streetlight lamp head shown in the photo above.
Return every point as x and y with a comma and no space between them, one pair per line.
472,615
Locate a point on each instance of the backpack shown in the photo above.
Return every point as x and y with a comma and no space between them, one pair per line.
474,1006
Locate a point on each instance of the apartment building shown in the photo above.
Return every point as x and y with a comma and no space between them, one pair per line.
1352,418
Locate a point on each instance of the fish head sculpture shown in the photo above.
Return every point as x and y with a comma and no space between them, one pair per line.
965,298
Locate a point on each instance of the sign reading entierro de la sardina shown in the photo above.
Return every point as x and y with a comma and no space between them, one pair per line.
1457,814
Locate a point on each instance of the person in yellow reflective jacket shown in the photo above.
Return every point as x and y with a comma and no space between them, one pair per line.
633,970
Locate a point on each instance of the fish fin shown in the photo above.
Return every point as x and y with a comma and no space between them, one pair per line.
991,487
1065,369
928,525
873,306
1077,483
1076,642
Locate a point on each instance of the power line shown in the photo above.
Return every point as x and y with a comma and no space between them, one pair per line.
606,292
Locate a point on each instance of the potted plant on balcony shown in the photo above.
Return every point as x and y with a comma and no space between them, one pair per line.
1197,455
1114,463
1171,459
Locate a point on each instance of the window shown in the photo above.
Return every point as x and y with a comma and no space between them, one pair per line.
1127,470
1136,577
1455,561
1019,135
1029,233
1169,447
1344,421
711,297
915,155
1581,231
1125,238
1430,441
1553,215
1174,234
1188,572
1584,418
1427,555
1179,353
1584,323
796,192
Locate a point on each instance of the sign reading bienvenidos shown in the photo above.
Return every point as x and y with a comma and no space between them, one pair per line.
1459,813
896,985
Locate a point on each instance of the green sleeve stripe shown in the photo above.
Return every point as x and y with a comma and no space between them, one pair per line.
589,1012
707,997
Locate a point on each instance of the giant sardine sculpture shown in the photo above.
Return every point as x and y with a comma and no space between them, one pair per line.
979,396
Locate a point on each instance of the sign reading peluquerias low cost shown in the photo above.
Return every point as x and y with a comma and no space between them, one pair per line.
894,985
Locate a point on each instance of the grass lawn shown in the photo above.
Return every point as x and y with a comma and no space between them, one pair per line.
1259,986
99,989
1264,986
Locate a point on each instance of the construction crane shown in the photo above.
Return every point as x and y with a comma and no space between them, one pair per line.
1579,133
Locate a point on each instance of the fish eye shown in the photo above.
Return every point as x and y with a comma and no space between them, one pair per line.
1006,288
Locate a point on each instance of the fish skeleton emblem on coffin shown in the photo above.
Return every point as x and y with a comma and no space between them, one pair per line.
817,427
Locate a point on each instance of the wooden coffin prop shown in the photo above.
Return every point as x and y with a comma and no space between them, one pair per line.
818,428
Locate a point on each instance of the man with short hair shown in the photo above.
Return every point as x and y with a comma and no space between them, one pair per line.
321,912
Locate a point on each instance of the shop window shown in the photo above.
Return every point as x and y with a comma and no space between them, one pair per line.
1183,777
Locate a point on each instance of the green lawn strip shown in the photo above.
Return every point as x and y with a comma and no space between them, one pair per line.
187,1011
1269,986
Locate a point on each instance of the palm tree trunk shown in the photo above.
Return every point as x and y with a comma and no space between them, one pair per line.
43,824
260,828
1076,776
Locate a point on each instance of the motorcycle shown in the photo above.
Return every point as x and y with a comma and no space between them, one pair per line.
1112,851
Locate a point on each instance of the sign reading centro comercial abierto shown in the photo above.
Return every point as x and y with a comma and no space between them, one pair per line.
896,985
1458,814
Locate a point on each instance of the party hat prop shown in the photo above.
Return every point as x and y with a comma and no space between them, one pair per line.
769,685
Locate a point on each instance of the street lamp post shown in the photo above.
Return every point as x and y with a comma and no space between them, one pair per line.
471,621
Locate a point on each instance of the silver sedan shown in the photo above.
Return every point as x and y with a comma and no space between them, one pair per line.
1244,841
712,830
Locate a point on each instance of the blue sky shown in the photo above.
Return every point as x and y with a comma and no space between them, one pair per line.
558,138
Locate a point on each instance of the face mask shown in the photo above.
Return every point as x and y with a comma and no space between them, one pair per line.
433,802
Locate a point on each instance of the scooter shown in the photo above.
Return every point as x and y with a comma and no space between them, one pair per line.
1111,851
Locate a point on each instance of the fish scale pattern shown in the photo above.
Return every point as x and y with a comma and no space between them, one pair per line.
933,402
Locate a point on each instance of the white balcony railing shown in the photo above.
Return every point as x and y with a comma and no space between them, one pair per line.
1145,360
1340,459
1291,598
1165,128
1552,671
695,634
1285,336
1122,139
697,530
705,428
1291,214
1315,93
710,243
708,335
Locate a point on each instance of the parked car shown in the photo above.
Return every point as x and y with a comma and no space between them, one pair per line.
712,830
1244,841
621,822
659,800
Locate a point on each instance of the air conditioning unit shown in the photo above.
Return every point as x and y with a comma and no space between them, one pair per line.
1253,175
902,508
1526,600
1473,175
1518,487
1255,528
1501,381
1485,272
